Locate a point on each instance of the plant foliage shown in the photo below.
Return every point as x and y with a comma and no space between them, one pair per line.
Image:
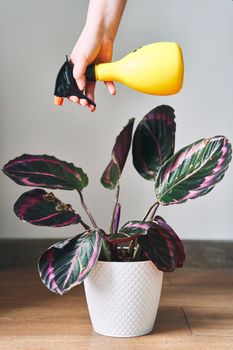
191,172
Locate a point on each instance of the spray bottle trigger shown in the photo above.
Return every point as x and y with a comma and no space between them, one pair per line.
66,85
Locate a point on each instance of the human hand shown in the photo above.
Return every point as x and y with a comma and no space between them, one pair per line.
91,47
95,44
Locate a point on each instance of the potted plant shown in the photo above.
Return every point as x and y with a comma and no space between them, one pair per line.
127,264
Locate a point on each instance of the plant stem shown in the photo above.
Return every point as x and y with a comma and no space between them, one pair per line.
154,211
131,248
105,251
87,210
114,210
137,253
112,229
84,225
148,213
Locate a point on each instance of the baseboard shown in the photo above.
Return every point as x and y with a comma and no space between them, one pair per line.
199,254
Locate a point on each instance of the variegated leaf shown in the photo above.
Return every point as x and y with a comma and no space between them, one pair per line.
67,263
162,245
180,254
129,231
45,171
40,208
154,141
193,171
112,173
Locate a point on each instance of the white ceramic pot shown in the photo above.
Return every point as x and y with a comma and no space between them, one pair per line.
123,297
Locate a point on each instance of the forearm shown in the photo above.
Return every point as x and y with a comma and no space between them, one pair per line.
95,43
104,17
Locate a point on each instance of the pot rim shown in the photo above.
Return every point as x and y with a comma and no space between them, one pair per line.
126,263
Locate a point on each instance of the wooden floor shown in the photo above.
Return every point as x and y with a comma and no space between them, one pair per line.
196,312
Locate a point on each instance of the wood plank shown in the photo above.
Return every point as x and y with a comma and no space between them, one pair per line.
45,320
98,342
199,254
200,277
195,313
210,321
171,322
197,296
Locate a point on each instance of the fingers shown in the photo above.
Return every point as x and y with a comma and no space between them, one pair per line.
79,72
82,102
77,100
89,91
111,87
74,99
79,75
90,88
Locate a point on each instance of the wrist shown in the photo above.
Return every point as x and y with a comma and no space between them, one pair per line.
99,36
100,30
104,16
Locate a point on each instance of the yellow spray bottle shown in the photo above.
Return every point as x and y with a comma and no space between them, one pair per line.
155,69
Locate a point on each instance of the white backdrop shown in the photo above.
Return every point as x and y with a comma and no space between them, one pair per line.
36,35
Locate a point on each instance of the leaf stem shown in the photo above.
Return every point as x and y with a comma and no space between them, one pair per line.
87,210
114,210
154,211
84,225
113,230
131,248
156,204
137,253
106,251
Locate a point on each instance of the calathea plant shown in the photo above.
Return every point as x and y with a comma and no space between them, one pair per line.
191,172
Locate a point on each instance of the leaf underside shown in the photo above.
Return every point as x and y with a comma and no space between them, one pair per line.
162,246
154,141
112,173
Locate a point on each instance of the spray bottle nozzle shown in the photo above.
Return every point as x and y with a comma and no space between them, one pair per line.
66,85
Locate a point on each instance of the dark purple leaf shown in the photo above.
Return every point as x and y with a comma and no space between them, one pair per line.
162,245
45,171
154,141
120,152
67,263
40,208
180,256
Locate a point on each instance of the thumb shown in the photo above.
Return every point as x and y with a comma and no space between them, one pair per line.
79,71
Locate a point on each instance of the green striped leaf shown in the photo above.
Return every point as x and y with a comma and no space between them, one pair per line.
154,141
45,171
112,173
131,230
67,263
193,171
41,208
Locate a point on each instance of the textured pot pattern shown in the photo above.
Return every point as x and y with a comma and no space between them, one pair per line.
123,297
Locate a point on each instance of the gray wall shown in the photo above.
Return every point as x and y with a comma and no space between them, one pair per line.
36,35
